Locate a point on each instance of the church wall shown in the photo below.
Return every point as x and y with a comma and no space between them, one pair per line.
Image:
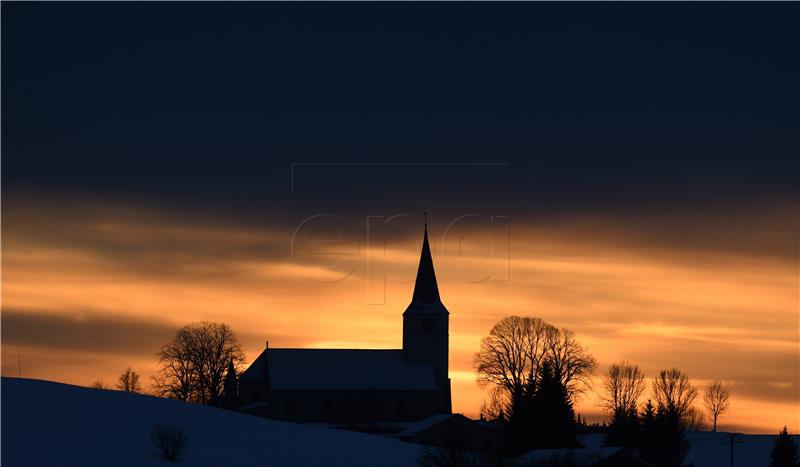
342,406
352,406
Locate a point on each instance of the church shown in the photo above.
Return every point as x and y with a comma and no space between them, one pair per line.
361,386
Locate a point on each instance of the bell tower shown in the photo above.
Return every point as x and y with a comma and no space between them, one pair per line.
426,325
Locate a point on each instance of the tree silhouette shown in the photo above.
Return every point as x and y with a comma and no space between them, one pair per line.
129,381
674,394
171,441
622,387
716,398
231,386
552,414
623,430
648,433
509,358
784,451
662,442
511,355
571,361
193,365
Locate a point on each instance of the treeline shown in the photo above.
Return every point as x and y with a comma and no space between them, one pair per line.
200,364
656,429
535,372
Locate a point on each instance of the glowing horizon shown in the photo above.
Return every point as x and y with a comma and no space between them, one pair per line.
88,294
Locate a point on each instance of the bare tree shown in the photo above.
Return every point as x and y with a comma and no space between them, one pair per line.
674,393
171,441
129,381
622,387
193,365
98,384
511,355
571,362
694,420
717,399
495,405
177,374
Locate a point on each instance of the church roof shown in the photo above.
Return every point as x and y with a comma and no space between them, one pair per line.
424,424
426,291
340,369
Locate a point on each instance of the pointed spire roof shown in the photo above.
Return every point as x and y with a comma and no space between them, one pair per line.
426,291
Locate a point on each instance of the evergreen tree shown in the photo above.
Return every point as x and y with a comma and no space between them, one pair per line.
647,421
623,430
662,442
230,389
521,420
784,451
553,415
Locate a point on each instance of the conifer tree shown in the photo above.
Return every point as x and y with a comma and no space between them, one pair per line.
230,390
623,430
784,451
662,442
553,414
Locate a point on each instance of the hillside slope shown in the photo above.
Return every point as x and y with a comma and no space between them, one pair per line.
46,423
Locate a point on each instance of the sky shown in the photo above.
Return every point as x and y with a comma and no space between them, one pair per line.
627,171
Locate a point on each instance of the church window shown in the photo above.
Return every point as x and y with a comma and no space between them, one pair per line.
427,326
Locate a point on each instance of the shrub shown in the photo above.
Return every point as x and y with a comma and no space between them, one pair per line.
171,441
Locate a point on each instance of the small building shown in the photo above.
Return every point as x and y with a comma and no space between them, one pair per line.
453,431
361,386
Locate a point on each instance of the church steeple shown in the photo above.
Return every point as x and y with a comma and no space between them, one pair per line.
426,326
426,297
426,290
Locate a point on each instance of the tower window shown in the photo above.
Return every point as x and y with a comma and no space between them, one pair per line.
427,326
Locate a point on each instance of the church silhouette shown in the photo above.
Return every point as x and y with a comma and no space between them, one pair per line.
360,385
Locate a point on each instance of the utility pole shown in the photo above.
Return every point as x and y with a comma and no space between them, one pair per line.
732,437
19,363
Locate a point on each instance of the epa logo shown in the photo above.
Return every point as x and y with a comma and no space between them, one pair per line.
381,250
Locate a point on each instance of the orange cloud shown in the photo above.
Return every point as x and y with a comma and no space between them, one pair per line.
717,314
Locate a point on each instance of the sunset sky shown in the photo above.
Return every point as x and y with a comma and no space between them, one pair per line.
629,172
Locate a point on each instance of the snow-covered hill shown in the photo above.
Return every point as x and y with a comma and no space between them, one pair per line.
50,424
54,424
713,449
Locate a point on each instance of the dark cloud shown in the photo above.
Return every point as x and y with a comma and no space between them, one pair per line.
99,333
596,108
90,332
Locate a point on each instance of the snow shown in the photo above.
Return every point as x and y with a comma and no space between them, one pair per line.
46,423
49,424
584,456
713,449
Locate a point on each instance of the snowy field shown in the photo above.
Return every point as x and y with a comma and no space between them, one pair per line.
713,449
52,424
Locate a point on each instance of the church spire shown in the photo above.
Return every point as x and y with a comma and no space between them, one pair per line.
426,290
